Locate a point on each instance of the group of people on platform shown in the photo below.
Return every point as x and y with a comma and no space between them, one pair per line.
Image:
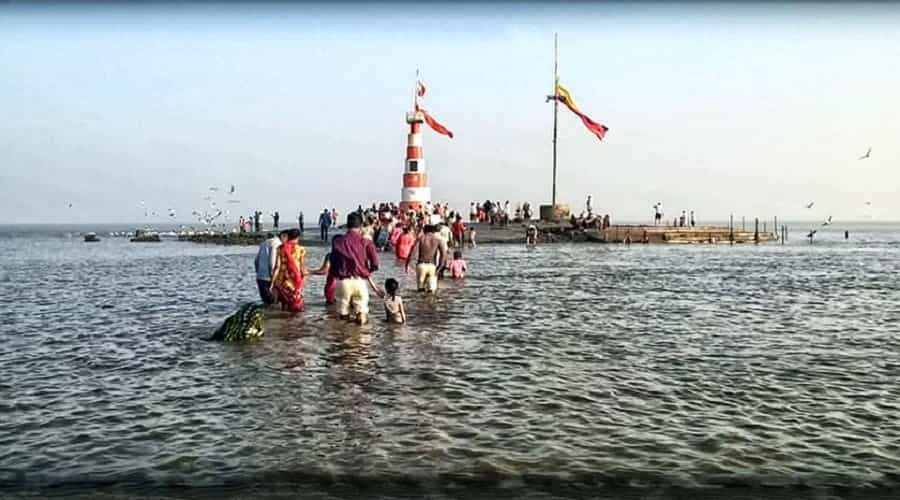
416,238
495,213
684,220
254,222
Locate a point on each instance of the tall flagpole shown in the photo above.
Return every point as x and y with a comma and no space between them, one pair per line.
416,91
555,109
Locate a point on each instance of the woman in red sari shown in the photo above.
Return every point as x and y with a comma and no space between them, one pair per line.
287,280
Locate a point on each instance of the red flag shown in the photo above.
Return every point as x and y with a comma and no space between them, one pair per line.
564,96
596,128
437,127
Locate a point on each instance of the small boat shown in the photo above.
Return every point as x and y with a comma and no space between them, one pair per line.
91,238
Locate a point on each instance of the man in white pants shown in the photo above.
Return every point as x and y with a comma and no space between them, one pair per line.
353,260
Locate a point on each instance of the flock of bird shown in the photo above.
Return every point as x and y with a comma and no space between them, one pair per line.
206,216
209,216
829,220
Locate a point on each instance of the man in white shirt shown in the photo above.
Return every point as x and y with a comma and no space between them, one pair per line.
444,233
265,266
589,205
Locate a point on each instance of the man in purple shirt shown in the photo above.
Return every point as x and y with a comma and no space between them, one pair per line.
353,260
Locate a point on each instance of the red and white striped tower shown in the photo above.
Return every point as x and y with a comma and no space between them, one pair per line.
415,192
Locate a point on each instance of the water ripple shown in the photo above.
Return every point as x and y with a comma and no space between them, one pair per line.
567,365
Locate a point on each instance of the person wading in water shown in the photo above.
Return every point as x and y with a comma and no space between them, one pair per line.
353,260
431,252
266,258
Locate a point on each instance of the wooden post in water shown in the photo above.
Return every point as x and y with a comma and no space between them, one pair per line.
731,233
783,230
776,226
756,232
743,224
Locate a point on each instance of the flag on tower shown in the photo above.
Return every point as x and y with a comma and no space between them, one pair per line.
566,98
437,127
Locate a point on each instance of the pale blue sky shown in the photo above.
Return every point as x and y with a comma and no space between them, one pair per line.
720,108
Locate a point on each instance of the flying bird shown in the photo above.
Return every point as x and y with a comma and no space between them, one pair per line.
868,203
811,234
213,189
827,222
70,205
810,204
863,157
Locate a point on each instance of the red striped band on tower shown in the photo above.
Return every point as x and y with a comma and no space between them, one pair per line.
415,180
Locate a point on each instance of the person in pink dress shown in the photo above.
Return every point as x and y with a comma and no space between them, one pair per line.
395,235
405,243
457,266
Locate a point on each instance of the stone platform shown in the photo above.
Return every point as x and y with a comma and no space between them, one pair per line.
550,232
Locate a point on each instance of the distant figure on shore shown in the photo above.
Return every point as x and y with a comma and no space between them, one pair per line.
300,221
693,220
266,257
353,259
589,206
628,238
325,222
682,219
257,227
275,218
531,235
473,212
393,303
658,214
430,253
288,277
458,266
471,238
846,235
241,224
334,217
526,211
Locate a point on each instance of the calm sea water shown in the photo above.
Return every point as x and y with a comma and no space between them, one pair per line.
566,370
